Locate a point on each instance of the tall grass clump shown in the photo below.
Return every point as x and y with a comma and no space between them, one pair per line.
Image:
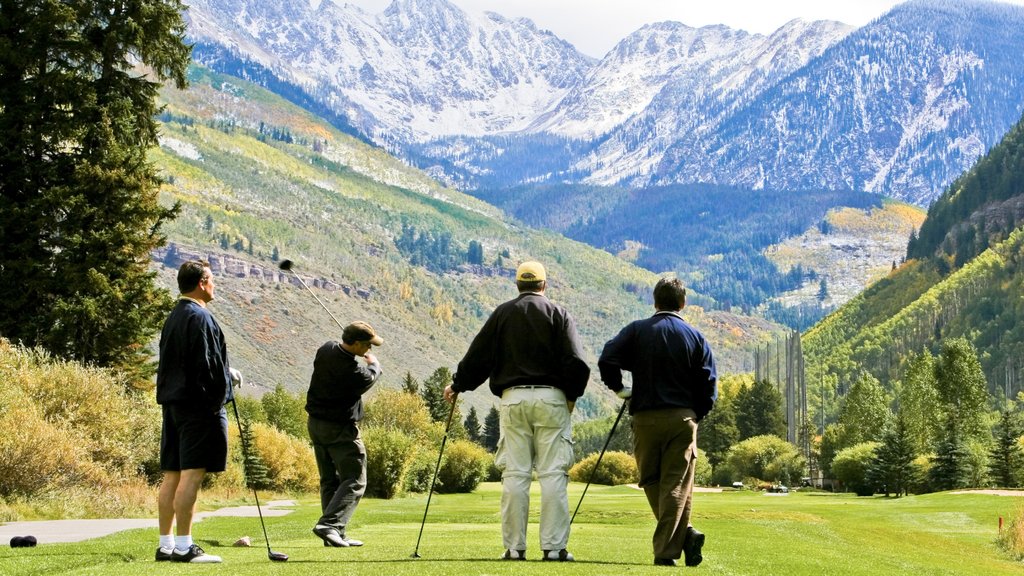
75,440
1011,537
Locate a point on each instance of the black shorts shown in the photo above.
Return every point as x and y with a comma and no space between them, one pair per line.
193,439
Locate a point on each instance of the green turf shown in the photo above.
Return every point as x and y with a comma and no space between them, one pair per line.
747,534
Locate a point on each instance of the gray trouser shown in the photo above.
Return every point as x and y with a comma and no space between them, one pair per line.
536,434
341,461
665,446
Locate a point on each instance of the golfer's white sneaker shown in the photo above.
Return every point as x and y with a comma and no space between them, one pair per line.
194,555
562,555
514,555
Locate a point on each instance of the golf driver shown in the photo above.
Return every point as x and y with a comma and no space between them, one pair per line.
274,556
287,265
447,427
598,463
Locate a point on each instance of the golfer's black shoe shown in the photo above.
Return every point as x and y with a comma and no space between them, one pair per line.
514,555
164,554
562,555
194,555
664,562
347,542
692,545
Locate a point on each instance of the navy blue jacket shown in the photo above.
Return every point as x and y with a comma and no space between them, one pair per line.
193,369
671,363
527,340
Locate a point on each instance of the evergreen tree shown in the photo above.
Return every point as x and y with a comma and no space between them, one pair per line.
893,466
439,408
472,425
79,210
1007,457
257,475
410,385
718,431
492,430
951,463
759,411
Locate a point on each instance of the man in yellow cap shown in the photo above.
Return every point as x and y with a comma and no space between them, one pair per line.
335,406
530,351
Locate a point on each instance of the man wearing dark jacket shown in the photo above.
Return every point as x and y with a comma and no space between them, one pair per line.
193,383
674,386
530,351
335,406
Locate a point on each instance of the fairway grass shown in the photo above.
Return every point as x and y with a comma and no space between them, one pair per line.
748,533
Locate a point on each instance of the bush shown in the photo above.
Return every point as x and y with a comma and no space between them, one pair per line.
421,469
1011,537
290,462
850,466
463,468
703,475
286,412
766,457
616,468
389,453
401,411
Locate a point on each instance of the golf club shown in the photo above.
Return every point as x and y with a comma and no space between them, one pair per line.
287,265
274,556
598,463
455,399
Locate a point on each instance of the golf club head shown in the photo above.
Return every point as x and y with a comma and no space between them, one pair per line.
285,265
415,555
277,556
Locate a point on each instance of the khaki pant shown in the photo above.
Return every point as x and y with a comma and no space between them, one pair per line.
665,447
536,434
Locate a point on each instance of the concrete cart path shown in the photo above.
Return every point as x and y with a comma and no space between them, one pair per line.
53,531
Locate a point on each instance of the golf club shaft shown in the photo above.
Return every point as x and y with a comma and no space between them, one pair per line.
437,467
245,453
598,463
304,285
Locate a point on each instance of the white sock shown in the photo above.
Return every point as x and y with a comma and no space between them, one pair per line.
166,541
183,542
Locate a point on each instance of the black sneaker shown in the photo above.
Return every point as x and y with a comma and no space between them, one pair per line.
562,555
514,555
194,555
164,554
692,545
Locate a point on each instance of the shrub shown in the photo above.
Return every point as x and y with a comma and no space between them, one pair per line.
765,457
389,453
421,469
850,466
1011,537
286,411
463,468
616,468
290,462
401,411
703,475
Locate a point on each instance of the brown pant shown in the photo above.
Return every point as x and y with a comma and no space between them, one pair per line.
665,447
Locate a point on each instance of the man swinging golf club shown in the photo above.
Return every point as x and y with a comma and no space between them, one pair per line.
530,351
335,406
674,386
193,384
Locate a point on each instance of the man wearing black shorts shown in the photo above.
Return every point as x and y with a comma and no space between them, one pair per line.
192,385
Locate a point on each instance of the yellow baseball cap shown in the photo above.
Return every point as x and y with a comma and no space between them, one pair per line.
530,272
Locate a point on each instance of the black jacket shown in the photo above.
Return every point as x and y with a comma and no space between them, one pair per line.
338,383
193,369
527,340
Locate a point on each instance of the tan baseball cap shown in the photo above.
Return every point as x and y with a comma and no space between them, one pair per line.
530,272
360,331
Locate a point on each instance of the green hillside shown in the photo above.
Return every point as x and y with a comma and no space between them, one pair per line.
259,178
963,277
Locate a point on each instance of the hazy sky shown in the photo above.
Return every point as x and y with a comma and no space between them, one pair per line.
595,26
